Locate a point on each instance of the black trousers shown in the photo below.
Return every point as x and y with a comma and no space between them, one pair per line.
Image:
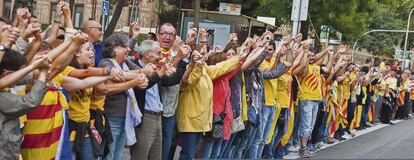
386,110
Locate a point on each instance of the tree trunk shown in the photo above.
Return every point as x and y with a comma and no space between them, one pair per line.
72,8
115,17
304,29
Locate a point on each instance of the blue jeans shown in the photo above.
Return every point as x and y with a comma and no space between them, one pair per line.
268,115
118,135
211,149
86,151
273,150
228,147
308,113
324,129
294,141
244,141
190,145
168,130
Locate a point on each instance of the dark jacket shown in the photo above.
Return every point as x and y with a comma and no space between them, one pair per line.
165,81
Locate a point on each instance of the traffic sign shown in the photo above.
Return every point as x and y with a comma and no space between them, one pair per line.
299,10
105,7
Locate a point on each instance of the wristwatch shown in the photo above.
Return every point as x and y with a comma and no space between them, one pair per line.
2,47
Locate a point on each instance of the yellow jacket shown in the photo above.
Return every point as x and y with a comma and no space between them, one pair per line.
195,104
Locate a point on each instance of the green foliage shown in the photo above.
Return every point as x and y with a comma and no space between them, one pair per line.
383,43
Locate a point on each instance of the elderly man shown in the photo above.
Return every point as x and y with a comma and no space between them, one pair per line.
94,31
169,91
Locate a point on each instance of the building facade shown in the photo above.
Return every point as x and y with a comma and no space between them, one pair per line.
146,13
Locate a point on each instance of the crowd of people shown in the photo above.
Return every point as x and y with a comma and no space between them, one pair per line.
70,94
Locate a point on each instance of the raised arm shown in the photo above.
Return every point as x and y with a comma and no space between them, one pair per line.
67,15
272,74
250,61
299,64
33,47
195,69
322,54
8,36
56,24
66,57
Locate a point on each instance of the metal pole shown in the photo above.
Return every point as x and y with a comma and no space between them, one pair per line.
406,33
250,28
131,12
197,19
182,24
408,28
377,30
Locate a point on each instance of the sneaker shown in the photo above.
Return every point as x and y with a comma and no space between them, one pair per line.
346,136
319,145
306,153
353,132
312,147
293,148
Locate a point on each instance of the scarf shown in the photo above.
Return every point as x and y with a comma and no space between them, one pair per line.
133,114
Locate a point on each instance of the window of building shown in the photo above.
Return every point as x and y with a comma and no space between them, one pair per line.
78,17
7,8
52,12
132,14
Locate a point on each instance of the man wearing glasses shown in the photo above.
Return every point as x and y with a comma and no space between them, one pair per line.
169,90
94,31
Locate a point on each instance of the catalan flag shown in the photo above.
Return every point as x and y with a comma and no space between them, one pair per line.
44,129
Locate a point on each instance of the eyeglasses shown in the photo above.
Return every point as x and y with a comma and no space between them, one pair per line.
99,28
167,34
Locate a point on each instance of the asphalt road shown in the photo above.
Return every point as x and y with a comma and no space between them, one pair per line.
391,142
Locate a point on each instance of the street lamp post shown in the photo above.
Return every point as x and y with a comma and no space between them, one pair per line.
406,33
377,30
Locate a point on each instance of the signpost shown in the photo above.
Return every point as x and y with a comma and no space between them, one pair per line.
299,13
230,9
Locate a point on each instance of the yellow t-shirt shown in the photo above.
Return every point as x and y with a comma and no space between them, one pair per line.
364,90
346,87
269,85
311,84
97,102
79,102
407,85
382,83
392,83
283,94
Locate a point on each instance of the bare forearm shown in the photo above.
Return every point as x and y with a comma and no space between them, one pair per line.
250,60
111,88
32,50
68,21
63,60
59,50
1,55
14,77
74,85
188,72
320,55
53,33
84,73
330,62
